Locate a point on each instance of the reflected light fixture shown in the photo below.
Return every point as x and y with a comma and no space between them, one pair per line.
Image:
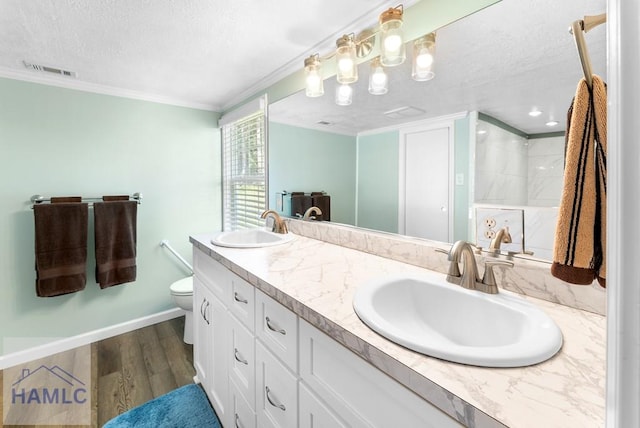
552,123
424,50
313,76
535,113
392,49
378,79
344,95
347,70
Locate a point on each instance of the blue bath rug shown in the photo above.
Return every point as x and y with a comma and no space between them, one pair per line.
185,407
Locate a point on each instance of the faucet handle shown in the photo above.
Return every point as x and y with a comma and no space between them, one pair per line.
489,277
454,269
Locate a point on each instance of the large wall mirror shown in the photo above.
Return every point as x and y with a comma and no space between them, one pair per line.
492,69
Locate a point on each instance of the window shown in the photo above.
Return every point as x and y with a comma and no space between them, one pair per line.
244,169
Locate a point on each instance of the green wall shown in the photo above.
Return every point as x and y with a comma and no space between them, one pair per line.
378,181
308,160
378,173
57,142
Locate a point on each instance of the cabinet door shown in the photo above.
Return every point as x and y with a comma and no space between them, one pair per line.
315,414
202,332
276,392
218,376
361,394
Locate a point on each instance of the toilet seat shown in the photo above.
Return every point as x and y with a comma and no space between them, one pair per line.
182,287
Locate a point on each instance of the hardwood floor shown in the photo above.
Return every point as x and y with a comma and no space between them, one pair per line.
135,367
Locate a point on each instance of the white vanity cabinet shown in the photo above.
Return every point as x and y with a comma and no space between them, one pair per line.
263,366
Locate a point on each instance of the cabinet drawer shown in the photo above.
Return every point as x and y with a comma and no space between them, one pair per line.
276,392
242,360
214,276
243,302
277,327
314,413
242,414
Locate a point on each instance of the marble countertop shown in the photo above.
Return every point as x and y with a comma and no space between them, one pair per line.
317,281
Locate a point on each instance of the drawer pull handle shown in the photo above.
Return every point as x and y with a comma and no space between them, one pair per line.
238,298
272,327
238,357
206,313
238,424
202,308
272,402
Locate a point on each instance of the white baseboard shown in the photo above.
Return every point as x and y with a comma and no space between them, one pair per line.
87,338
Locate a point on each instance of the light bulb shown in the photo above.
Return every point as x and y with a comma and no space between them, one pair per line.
344,95
345,65
392,49
424,59
378,80
424,50
313,76
392,43
346,60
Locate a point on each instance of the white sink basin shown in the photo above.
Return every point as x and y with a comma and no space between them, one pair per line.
429,315
251,238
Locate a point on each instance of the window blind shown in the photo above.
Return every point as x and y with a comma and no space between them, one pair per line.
244,171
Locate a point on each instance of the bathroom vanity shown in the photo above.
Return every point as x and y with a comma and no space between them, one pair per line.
278,344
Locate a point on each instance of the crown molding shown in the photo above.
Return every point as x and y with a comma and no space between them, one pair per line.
79,85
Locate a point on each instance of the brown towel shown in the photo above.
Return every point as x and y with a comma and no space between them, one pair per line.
300,204
60,247
116,236
324,203
579,254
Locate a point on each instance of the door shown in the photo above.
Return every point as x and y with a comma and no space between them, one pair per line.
425,201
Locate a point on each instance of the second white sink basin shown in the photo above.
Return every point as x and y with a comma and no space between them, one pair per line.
251,238
429,315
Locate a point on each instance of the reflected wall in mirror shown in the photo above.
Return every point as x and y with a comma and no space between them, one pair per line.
492,68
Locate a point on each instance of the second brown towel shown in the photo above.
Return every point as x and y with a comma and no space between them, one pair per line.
116,238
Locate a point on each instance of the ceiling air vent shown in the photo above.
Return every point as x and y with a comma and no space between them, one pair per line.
324,122
47,69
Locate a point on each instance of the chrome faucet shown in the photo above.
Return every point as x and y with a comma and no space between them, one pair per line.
502,237
308,214
279,226
469,278
461,251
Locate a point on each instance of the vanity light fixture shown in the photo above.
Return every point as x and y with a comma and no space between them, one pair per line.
392,49
424,50
344,95
347,70
552,123
378,79
313,76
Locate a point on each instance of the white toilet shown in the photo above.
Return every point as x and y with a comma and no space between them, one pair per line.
182,293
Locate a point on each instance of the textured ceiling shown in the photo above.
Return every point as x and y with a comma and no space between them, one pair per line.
502,61
192,52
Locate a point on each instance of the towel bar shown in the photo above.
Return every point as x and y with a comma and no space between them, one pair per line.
38,199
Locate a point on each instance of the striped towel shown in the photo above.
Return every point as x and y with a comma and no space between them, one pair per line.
579,253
